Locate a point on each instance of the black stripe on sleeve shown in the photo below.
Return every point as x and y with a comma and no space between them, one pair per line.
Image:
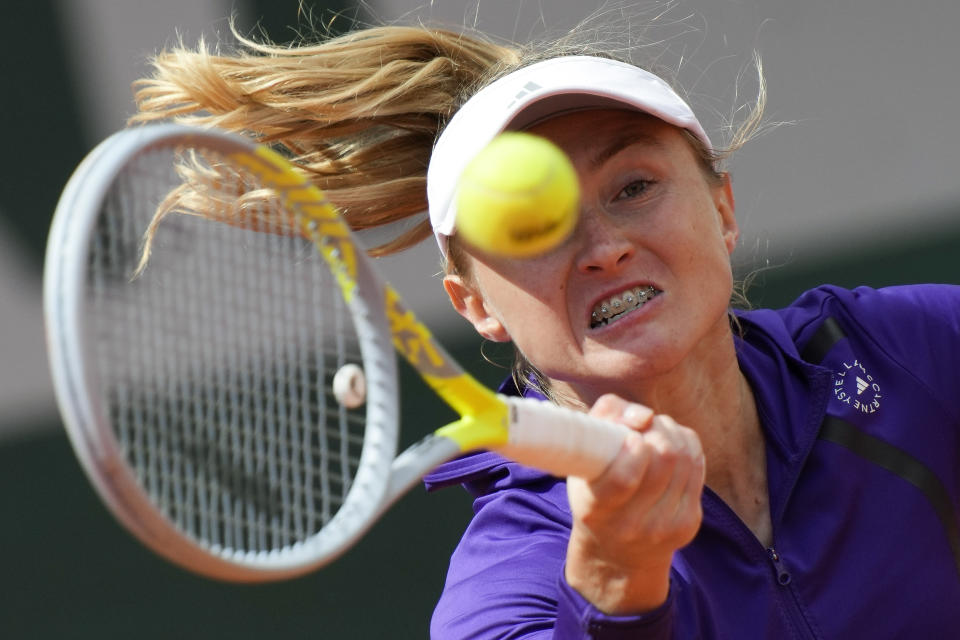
822,341
902,464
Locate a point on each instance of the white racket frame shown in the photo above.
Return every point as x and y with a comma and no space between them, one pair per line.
86,420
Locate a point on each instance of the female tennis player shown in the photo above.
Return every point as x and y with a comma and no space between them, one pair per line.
792,473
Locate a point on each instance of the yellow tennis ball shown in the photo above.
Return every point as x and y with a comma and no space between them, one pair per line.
519,197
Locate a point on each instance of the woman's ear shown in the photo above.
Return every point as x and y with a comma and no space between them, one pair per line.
726,210
469,303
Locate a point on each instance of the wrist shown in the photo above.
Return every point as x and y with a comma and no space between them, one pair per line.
579,618
620,590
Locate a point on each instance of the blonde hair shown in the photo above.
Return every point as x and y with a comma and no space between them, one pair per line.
358,114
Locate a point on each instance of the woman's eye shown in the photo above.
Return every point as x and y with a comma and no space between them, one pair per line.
634,189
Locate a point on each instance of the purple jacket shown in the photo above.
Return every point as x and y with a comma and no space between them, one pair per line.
859,396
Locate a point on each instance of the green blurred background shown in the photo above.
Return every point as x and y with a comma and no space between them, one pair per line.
72,572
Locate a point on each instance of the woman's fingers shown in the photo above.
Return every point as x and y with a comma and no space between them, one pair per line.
616,409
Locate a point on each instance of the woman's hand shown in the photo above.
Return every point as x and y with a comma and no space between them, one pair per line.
628,522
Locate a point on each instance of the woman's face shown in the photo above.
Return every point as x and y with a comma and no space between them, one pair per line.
654,240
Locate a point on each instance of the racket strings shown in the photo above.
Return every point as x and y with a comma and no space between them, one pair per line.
218,373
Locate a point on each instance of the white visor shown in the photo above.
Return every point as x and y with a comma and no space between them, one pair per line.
532,94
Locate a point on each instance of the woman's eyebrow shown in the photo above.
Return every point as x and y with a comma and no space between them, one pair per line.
629,139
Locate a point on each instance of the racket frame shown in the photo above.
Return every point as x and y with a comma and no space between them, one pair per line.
85,418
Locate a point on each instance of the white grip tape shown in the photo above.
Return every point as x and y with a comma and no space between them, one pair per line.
560,441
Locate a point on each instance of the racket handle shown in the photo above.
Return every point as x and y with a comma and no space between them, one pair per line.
560,441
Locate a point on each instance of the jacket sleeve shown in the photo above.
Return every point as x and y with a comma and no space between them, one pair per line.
506,577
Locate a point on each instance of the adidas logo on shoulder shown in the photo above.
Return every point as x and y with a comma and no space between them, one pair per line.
853,386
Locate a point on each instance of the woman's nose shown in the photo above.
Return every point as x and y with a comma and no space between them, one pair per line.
603,245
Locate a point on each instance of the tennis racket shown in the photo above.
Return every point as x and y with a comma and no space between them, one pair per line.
195,371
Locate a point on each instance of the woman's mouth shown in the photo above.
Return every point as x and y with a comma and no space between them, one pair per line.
620,305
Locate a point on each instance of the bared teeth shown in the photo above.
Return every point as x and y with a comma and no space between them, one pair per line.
619,304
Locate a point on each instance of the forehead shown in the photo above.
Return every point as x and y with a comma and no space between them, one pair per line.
602,133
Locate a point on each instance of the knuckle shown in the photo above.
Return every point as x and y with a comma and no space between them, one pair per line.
670,457
664,532
666,421
608,405
625,479
691,436
690,530
690,518
609,400
657,441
